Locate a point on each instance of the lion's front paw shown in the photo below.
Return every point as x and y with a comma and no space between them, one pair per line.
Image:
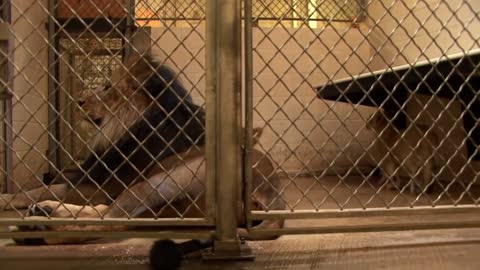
64,210
39,209
55,209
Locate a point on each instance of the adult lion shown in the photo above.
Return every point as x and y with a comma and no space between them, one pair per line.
148,155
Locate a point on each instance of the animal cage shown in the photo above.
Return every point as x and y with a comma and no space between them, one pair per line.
126,118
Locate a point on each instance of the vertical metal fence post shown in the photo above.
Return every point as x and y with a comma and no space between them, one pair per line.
53,94
211,109
224,92
228,90
248,132
129,32
6,97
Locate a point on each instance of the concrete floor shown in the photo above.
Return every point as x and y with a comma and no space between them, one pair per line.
357,192
430,249
441,249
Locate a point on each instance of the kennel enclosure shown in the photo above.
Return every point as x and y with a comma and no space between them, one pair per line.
309,73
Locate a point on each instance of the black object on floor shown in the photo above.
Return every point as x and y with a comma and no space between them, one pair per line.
168,255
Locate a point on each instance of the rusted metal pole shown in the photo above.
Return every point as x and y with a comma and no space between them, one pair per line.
223,138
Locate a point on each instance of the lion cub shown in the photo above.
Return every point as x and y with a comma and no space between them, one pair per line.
410,150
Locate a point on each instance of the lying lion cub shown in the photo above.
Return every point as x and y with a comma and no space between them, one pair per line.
411,150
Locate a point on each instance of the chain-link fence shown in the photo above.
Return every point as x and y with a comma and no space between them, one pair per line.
102,133
288,12
366,118
351,109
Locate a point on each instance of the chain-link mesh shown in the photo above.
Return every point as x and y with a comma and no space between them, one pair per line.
99,131
148,10
370,115
322,10
93,71
156,12
361,105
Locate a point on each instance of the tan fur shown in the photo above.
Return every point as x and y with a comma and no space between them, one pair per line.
119,106
411,151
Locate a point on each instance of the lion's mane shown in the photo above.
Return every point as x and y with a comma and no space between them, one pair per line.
171,123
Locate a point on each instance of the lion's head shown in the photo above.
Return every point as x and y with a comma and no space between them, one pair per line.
124,91
114,107
141,89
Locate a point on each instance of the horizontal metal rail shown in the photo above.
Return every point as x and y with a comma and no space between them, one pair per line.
371,212
105,222
168,234
254,19
411,225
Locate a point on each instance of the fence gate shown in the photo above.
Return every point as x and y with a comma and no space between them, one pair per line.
369,111
93,116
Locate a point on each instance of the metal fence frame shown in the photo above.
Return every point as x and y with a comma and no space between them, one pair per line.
225,168
447,216
331,17
223,85
6,97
